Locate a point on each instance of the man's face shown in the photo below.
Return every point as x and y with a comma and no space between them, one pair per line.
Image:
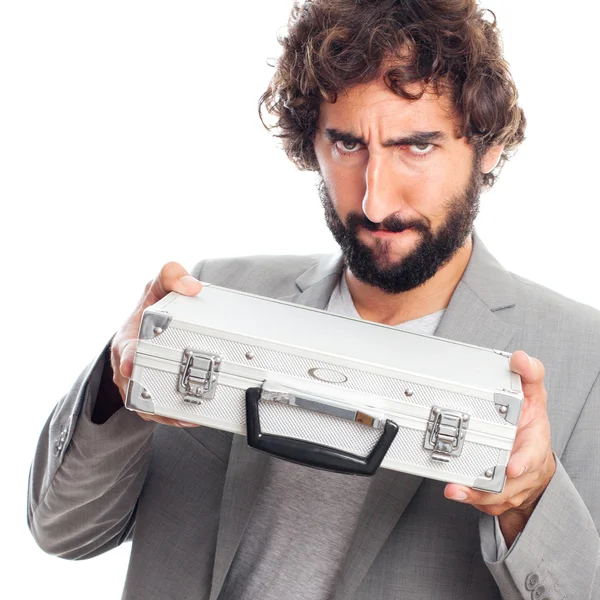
400,191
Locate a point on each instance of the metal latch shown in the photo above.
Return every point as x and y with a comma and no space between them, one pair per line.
445,433
198,375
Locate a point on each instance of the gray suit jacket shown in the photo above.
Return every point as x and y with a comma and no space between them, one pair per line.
184,496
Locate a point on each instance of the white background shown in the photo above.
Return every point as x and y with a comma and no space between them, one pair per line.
129,136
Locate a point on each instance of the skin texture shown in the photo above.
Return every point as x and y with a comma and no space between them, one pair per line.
379,180
373,162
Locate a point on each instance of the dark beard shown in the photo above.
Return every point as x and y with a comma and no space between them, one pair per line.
373,265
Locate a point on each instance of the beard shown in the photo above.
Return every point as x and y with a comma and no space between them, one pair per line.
373,265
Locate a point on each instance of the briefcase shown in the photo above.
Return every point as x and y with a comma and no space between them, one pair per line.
328,391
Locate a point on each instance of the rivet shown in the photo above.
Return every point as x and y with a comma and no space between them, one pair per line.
188,352
503,409
158,330
249,355
408,392
435,410
465,417
489,473
146,394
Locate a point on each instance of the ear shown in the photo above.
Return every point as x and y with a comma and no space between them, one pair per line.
490,159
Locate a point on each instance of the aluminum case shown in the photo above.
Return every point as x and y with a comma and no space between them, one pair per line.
328,391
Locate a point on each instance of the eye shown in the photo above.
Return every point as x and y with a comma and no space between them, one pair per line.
347,147
421,148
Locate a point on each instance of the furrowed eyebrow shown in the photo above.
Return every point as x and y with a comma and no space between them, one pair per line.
335,135
414,138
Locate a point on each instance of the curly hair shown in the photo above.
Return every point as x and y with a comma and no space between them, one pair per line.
449,46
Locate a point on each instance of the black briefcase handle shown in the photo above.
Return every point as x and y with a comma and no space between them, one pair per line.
309,453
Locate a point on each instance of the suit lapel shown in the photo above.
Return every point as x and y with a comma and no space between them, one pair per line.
485,291
247,467
471,317
243,482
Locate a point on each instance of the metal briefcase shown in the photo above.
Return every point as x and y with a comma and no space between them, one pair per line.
328,391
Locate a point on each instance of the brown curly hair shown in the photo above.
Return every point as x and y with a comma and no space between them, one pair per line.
449,45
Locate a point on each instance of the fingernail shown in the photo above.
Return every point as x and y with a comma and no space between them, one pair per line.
186,424
522,471
532,362
188,280
459,496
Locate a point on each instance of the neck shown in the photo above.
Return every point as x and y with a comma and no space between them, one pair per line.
373,304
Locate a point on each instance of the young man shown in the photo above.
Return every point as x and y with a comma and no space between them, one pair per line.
407,111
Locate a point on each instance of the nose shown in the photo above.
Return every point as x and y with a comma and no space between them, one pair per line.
382,194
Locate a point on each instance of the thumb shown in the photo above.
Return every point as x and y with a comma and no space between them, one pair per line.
532,374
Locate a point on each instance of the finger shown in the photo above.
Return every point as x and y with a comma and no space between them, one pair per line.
127,355
532,441
529,452
172,278
115,363
513,487
510,503
532,373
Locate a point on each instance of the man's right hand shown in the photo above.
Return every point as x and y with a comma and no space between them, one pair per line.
172,277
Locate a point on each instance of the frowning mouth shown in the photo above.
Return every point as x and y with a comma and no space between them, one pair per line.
386,233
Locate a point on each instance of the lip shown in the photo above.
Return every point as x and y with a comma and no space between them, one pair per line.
385,234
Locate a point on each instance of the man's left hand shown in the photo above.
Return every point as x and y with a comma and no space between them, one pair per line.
531,465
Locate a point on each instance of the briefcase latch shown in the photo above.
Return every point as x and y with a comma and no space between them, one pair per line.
198,375
445,434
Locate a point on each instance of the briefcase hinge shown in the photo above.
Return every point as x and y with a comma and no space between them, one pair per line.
445,434
198,375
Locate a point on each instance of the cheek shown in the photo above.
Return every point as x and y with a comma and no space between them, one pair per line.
345,182
429,190
422,190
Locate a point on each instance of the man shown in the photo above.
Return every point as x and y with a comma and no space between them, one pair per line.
407,110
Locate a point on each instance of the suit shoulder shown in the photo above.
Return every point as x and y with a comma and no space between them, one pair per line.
262,274
557,310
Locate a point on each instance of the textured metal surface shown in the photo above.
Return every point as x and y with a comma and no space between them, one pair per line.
361,381
325,430
474,460
228,406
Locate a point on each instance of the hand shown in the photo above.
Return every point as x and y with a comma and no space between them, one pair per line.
172,277
531,465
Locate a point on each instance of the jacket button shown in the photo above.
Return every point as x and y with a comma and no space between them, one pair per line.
539,591
57,448
59,443
531,581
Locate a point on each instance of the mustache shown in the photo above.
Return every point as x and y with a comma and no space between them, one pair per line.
391,223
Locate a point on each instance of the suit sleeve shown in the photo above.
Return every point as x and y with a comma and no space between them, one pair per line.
86,478
557,555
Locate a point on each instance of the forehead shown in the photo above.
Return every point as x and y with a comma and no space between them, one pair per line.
373,105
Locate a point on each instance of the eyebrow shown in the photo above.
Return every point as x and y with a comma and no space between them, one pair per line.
415,137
